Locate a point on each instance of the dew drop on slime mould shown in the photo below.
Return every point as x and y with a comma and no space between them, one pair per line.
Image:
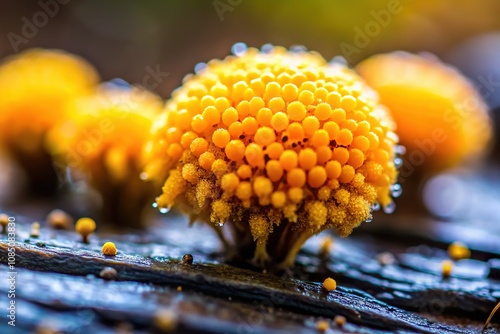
164,210
396,190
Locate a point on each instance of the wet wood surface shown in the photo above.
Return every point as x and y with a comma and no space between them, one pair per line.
59,284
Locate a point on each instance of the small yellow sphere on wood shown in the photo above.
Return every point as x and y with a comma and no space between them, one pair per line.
85,226
109,249
330,284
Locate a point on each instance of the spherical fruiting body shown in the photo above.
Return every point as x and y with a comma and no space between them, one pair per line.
441,119
37,88
280,144
458,251
165,320
35,230
85,227
60,220
104,141
109,249
339,320
329,284
385,258
108,273
325,247
446,268
4,221
322,325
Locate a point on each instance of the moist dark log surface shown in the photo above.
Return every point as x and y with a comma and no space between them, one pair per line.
58,283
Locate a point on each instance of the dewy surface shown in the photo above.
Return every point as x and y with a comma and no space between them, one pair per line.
275,142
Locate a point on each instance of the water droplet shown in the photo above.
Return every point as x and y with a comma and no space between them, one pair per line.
239,49
117,83
375,206
298,48
144,176
199,67
400,150
369,220
390,208
164,210
154,205
338,60
396,190
220,224
267,48
398,162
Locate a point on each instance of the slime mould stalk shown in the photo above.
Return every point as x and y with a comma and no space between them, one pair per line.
104,142
279,145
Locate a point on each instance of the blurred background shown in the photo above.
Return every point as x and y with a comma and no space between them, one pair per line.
125,38
156,43
130,39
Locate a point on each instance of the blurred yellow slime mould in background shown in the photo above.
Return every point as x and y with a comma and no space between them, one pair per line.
441,120
278,144
104,140
36,87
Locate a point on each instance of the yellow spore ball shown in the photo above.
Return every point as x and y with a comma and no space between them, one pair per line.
85,226
329,284
292,130
105,140
265,136
326,246
109,249
165,319
114,119
322,326
339,320
59,219
35,230
38,88
446,268
458,251
4,221
441,119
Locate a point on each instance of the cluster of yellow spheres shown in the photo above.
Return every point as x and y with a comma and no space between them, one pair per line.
37,86
103,144
436,109
269,137
107,132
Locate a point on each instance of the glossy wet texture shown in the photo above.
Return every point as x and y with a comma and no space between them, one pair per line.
407,296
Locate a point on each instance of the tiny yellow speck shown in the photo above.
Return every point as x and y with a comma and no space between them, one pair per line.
330,284
385,258
59,219
458,251
109,249
322,325
339,320
85,227
4,221
447,267
326,246
165,319
35,230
